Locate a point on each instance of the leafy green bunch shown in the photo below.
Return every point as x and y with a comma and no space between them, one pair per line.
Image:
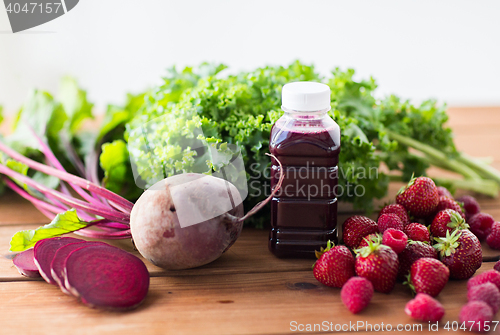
200,119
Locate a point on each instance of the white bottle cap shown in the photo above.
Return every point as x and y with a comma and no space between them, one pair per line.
305,96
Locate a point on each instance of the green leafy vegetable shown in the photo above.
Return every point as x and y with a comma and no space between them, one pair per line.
63,223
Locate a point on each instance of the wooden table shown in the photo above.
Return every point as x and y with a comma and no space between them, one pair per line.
246,291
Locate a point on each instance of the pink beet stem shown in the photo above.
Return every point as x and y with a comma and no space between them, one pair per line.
37,202
104,235
55,162
78,204
85,184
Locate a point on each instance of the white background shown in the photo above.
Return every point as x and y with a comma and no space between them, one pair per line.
417,49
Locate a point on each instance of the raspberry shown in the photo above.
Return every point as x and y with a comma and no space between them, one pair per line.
471,206
443,191
476,314
425,308
487,293
480,224
356,294
375,237
491,276
417,232
399,211
386,221
493,238
395,239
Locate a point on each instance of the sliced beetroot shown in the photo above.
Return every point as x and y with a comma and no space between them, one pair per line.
57,264
106,277
25,264
44,252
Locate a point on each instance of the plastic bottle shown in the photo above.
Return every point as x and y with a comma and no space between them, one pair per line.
306,140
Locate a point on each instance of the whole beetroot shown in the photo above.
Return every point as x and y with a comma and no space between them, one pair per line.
158,235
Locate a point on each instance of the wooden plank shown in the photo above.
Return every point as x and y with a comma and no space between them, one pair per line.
16,210
474,117
248,255
213,304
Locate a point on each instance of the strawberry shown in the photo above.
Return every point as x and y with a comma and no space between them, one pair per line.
417,232
487,293
398,210
356,294
375,237
497,266
461,252
443,191
424,308
447,220
395,239
490,276
379,264
493,239
335,265
449,203
428,275
355,228
476,314
480,224
386,221
414,250
470,205
419,197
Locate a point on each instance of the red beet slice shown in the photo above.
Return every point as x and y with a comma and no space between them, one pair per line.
25,264
57,264
106,277
44,252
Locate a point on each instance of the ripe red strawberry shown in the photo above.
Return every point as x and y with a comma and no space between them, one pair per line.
395,239
417,232
398,210
414,250
356,294
379,264
375,237
335,265
449,203
480,224
443,191
493,238
497,266
471,206
447,220
487,293
386,221
461,252
355,228
428,275
420,197
490,276
424,308
476,314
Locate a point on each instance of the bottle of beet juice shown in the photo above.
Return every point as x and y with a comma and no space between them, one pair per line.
306,140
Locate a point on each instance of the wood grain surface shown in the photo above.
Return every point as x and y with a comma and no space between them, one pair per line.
246,291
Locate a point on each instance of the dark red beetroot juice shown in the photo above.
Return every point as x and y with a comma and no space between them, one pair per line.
306,140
